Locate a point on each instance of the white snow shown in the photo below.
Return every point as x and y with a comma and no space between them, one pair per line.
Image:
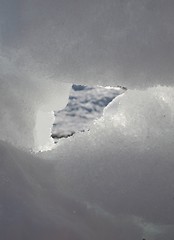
115,181
21,98
85,105
91,42
43,129
124,169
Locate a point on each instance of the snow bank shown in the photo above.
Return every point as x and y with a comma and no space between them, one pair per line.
124,165
108,42
114,181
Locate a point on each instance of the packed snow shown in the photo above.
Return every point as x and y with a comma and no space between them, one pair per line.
116,180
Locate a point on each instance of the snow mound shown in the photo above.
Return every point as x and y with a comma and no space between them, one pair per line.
115,180
124,164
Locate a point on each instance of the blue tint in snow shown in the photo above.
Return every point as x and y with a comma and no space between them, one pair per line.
85,104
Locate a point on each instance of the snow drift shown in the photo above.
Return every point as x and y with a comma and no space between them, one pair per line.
115,181
87,189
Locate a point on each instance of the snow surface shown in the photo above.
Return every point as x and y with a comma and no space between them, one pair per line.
21,101
85,105
116,180
92,42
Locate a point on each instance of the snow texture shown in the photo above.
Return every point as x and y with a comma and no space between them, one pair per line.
116,180
21,100
85,105
105,42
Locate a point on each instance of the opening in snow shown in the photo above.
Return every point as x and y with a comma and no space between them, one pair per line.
85,105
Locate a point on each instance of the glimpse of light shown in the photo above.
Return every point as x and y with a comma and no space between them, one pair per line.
43,140
119,119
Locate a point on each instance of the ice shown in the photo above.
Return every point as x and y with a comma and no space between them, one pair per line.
106,42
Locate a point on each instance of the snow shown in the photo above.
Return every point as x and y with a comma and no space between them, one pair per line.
126,169
21,98
106,42
85,105
116,180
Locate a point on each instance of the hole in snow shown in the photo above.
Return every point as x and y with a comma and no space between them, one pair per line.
85,105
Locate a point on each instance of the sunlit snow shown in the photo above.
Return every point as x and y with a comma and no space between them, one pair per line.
115,181
43,140
85,105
